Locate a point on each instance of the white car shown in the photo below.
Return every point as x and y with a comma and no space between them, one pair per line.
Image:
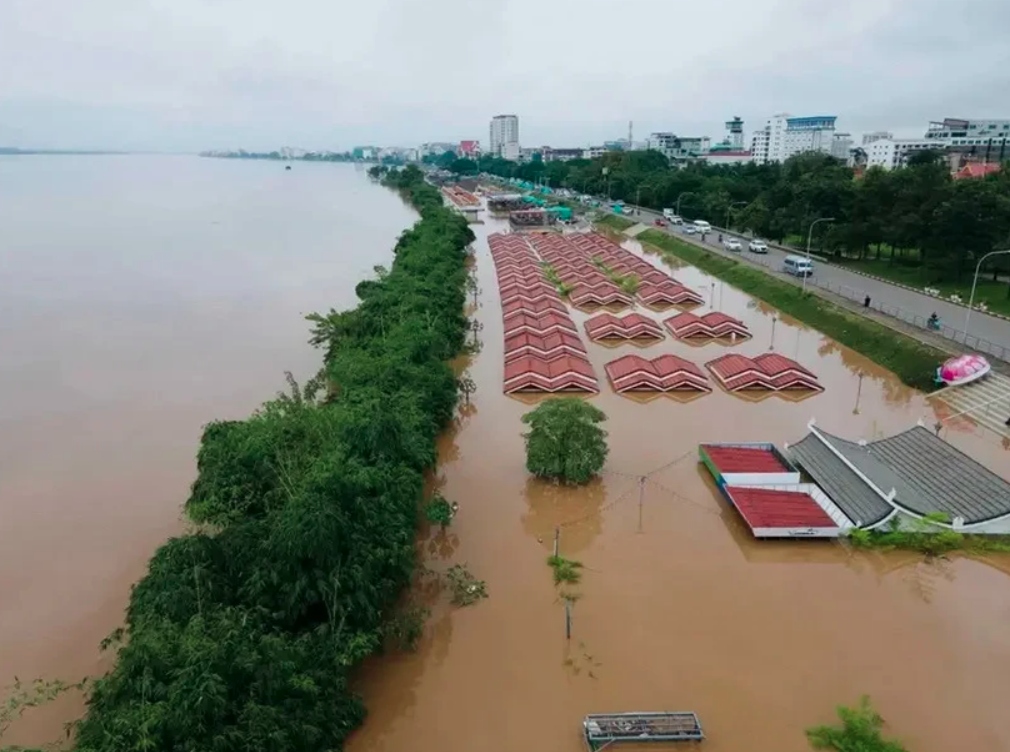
732,244
757,246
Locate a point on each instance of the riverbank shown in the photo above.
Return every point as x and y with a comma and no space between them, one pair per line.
245,633
913,362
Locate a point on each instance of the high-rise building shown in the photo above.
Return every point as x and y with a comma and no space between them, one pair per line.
841,145
784,136
504,135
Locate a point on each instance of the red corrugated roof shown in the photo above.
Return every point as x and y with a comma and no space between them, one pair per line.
976,170
761,507
729,459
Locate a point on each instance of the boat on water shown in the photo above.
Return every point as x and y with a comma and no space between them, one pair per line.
961,370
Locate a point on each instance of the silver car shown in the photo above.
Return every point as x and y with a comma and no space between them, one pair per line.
732,244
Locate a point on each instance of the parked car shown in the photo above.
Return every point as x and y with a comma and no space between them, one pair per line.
757,246
659,222
732,244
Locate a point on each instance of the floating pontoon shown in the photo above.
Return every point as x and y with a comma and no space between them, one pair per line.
603,729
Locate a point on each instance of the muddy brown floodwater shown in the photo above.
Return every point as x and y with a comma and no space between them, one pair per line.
680,609
143,297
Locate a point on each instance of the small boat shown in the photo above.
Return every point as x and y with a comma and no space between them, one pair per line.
961,370
287,167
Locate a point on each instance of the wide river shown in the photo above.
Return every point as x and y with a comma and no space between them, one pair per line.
145,296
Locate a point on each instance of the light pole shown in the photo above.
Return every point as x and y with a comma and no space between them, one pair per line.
685,193
971,299
810,236
730,208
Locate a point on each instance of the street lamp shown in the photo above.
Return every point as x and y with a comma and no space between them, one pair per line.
810,236
730,208
685,193
971,299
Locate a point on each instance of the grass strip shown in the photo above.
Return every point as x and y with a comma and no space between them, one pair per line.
910,360
615,222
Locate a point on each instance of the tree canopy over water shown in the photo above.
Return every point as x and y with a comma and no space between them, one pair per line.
565,441
242,635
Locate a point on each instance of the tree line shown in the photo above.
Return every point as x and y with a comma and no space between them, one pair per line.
243,633
916,215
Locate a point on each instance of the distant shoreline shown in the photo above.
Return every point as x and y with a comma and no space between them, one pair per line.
10,151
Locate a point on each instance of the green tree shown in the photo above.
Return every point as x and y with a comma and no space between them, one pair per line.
565,441
860,731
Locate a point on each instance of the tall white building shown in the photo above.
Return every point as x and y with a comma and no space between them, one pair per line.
784,136
841,145
505,135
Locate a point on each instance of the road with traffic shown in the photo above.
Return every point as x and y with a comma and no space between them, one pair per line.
910,304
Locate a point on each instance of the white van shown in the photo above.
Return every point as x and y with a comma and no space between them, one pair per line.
798,266
669,213
700,225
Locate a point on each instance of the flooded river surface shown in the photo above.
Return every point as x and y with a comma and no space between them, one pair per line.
680,608
143,297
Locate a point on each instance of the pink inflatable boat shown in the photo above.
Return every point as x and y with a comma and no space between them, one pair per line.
963,369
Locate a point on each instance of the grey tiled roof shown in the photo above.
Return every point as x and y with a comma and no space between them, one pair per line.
856,499
939,478
927,474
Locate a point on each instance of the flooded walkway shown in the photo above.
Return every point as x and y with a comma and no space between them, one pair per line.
679,608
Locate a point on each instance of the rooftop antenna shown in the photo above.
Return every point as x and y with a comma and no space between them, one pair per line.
631,131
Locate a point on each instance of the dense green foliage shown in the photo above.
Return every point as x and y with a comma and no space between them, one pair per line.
913,362
928,538
860,731
934,222
565,442
242,636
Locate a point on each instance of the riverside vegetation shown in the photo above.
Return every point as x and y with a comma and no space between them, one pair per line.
243,634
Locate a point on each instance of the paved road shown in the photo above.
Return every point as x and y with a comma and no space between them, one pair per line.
856,287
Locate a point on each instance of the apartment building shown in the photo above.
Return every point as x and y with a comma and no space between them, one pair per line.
505,136
889,153
784,136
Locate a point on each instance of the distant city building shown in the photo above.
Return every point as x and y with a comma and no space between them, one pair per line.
469,149
504,135
869,138
675,147
734,130
510,150
982,140
889,153
841,146
784,136
437,148
561,155
719,156
592,152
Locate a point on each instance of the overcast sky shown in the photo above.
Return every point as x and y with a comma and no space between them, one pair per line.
188,75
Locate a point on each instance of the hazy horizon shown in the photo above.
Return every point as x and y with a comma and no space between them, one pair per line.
193,75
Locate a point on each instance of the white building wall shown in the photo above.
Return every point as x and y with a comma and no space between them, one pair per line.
504,130
889,154
510,150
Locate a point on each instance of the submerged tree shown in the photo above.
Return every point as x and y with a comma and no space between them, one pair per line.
565,441
860,732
